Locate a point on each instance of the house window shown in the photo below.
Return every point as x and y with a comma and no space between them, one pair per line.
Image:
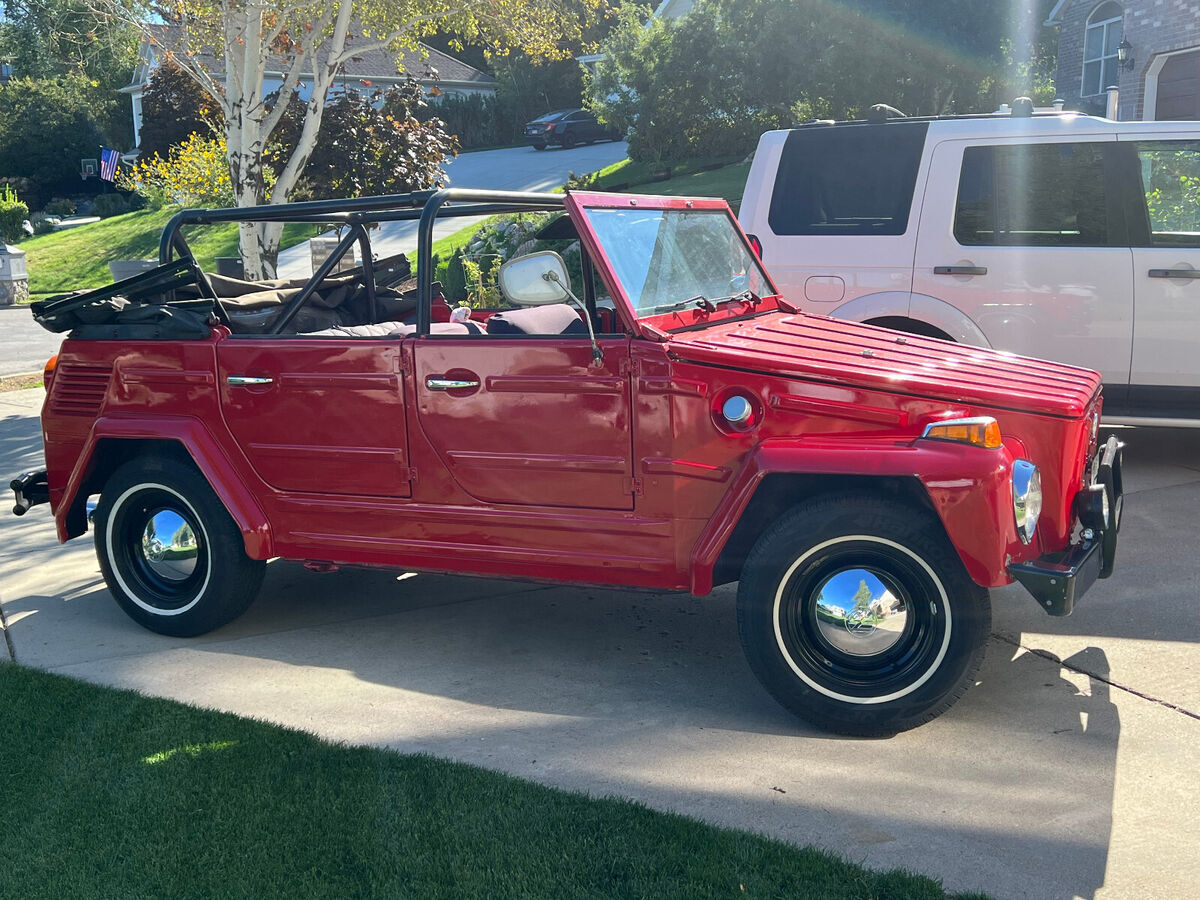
1100,39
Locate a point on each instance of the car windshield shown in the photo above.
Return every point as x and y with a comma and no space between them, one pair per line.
668,259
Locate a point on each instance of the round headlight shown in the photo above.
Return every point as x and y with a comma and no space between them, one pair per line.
1027,497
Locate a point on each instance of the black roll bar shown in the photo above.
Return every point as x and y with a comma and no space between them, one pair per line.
355,213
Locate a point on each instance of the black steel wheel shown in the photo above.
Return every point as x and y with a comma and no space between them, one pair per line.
568,140
170,553
540,145
858,616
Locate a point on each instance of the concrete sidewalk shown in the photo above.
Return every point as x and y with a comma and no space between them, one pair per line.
1069,770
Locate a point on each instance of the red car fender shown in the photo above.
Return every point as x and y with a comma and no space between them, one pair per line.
969,488
205,453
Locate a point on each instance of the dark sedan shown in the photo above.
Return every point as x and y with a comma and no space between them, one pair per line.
567,127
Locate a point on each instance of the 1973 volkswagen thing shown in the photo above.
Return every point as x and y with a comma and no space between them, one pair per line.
647,413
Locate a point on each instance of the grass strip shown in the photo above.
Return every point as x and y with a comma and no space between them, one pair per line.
107,793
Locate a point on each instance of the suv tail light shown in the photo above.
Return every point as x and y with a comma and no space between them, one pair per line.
755,245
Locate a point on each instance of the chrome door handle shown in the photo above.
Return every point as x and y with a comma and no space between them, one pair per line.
1175,273
238,380
449,384
960,270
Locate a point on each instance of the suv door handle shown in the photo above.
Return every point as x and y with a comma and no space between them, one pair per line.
960,270
239,380
1175,273
449,384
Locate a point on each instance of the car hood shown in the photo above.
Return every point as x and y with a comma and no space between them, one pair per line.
847,353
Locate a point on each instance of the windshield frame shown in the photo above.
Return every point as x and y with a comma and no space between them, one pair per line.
655,324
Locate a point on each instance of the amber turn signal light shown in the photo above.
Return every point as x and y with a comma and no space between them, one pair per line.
982,432
48,371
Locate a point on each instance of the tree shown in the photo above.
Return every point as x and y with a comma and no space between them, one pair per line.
709,83
370,144
174,106
310,42
51,127
50,39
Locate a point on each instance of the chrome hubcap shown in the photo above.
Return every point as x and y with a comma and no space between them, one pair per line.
169,547
860,612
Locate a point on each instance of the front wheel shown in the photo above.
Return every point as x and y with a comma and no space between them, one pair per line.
170,552
857,615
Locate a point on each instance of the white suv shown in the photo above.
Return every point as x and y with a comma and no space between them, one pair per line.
1061,236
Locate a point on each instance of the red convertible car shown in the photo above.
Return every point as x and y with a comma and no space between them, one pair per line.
643,409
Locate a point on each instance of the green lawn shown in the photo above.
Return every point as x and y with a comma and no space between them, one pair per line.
111,794
78,258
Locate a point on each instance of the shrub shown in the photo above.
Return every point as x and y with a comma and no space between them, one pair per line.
195,173
60,207
105,205
42,223
454,281
13,214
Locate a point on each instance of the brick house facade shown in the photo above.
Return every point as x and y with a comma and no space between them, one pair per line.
1164,40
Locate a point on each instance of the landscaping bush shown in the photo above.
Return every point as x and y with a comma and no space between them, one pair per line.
105,205
472,119
195,173
42,223
59,207
13,214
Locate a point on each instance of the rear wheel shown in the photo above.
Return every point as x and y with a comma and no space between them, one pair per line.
857,615
540,145
568,140
170,552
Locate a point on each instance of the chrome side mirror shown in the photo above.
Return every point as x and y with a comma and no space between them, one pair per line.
537,279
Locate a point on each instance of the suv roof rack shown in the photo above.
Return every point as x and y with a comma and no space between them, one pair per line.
879,115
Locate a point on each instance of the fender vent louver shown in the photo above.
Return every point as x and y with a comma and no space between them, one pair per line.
79,390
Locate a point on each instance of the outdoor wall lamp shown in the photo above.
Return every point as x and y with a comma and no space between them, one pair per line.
1124,57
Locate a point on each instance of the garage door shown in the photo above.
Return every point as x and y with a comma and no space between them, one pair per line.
1179,88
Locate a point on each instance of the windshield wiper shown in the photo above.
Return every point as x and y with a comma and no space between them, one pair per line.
699,300
749,297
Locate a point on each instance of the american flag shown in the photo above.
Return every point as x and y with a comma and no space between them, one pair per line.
108,163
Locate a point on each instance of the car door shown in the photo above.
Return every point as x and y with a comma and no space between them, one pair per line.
1165,232
1028,240
324,416
528,420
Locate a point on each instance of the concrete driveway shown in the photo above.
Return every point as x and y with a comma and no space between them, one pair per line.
1069,770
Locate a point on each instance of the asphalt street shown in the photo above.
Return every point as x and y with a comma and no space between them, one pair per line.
1068,770
25,346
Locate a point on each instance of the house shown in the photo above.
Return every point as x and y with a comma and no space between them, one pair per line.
1159,40
371,70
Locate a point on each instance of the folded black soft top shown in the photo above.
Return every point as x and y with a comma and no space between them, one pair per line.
143,307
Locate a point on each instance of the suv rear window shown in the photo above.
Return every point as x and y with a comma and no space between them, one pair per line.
847,179
1033,195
